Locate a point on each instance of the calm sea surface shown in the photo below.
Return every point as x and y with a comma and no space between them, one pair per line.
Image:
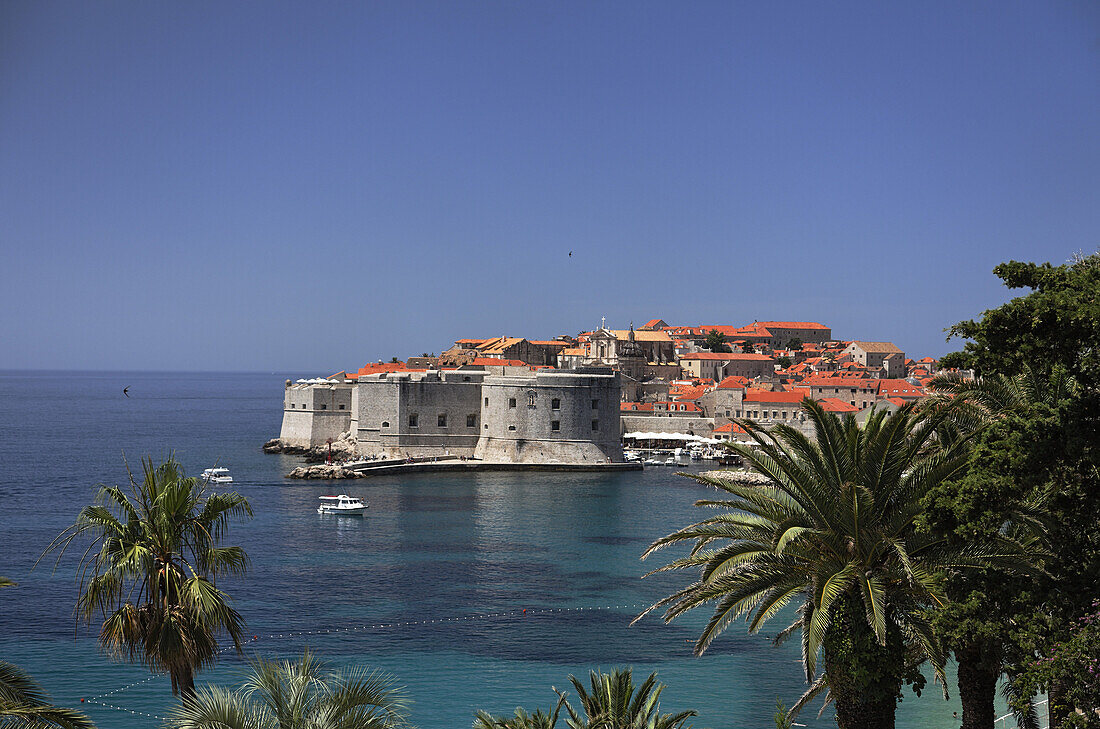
459,557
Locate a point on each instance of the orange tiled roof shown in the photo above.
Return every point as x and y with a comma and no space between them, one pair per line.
493,361
726,356
899,388
735,382
729,428
832,405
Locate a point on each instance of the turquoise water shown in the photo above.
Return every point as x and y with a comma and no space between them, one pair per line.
447,563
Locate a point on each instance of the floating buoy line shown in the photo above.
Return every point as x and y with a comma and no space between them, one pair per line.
98,700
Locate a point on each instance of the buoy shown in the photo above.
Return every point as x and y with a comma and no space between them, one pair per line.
82,701
524,611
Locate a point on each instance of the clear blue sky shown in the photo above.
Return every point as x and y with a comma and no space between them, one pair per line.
294,186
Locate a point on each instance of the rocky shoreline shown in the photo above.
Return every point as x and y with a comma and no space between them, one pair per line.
342,449
748,477
323,471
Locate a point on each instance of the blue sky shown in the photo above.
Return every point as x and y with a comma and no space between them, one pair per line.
302,186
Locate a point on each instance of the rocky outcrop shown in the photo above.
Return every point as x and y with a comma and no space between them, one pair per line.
323,471
343,448
747,477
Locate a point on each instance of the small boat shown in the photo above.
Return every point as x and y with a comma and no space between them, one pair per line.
652,462
342,505
631,456
217,475
671,461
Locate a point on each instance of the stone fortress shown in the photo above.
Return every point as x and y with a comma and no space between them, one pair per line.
546,416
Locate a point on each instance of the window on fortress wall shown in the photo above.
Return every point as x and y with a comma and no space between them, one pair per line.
414,421
442,420
511,402
471,421
385,423
555,404
324,407
595,404
595,425
510,427
341,407
555,425
784,414
486,401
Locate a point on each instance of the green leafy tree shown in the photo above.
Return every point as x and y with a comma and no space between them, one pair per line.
834,529
1046,336
151,568
304,694
784,362
794,344
716,341
1057,322
747,348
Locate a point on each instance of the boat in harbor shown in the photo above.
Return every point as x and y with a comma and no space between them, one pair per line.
342,505
217,475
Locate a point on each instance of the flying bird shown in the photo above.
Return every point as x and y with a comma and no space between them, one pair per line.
126,391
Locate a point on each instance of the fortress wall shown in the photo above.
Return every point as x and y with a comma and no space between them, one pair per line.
551,417
687,423
420,414
314,413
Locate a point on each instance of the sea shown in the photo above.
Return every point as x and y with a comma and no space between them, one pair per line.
474,591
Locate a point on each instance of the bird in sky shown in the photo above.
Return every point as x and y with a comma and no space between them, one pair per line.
570,254
126,391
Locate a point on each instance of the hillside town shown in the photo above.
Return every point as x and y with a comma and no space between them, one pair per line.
673,385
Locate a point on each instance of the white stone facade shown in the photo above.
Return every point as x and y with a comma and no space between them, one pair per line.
549,416
314,413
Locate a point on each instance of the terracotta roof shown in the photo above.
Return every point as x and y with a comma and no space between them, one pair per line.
734,382
471,341
641,336
499,344
766,396
899,388
729,428
653,322
729,356
573,351
495,362
549,342
832,405
831,380
380,367
693,392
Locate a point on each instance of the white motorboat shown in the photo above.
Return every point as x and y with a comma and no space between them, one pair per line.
671,461
631,456
342,505
217,475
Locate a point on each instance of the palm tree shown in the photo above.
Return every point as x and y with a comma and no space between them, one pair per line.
521,719
24,704
299,695
151,570
615,703
833,530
